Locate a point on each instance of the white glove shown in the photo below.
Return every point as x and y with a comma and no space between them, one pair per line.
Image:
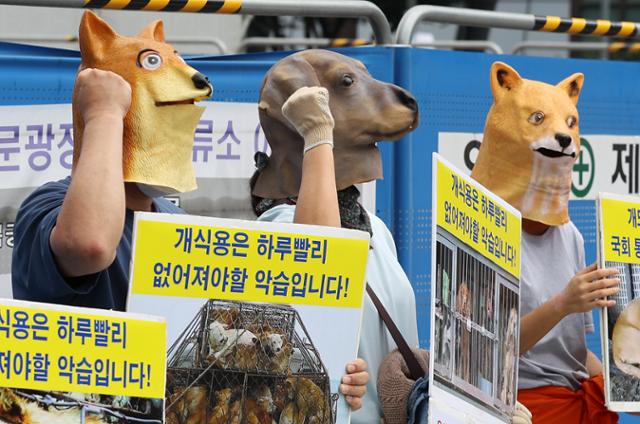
308,111
521,415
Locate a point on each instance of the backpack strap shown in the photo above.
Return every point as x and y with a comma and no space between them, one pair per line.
415,370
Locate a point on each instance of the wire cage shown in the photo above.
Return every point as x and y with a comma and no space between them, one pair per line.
239,362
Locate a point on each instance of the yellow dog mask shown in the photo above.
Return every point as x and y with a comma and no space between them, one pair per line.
531,141
160,124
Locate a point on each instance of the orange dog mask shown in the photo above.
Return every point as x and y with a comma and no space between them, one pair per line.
531,141
160,124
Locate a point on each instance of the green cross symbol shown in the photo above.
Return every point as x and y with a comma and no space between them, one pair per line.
580,167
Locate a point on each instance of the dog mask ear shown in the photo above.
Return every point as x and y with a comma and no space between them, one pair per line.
283,82
573,86
153,31
503,78
95,38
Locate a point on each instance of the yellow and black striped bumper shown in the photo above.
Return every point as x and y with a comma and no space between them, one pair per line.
200,6
584,26
349,42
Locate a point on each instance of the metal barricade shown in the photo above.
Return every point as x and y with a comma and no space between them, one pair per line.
616,47
518,21
219,45
317,8
480,45
294,42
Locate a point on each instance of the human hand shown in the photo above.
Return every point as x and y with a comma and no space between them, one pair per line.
101,94
354,383
588,289
308,111
521,415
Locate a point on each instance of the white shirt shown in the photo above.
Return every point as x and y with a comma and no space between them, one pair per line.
388,280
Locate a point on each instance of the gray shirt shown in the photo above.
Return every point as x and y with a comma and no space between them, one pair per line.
549,262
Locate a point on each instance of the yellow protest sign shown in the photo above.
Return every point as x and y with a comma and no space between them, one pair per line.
620,225
199,257
51,347
477,217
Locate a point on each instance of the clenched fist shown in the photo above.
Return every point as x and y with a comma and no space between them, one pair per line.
101,94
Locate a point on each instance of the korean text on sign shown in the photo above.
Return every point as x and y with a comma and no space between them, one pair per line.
248,264
71,351
621,228
478,218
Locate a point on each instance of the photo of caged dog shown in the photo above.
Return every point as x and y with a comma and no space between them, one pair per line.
509,358
36,407
295,400
241,362
259,347
463,306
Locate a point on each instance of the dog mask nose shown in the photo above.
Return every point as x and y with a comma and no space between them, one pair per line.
201,81
563,139
407,99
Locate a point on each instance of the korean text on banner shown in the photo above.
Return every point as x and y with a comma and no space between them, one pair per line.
469,214
50,347
622,233
250,261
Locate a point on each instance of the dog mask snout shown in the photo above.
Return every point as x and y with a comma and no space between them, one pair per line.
201,81
563,139
407,99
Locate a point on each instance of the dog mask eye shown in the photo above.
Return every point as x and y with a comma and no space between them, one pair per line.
347,80
571,121
536,118
150,60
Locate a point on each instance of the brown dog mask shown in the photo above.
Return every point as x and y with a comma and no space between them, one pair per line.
160,125
531,141
365,111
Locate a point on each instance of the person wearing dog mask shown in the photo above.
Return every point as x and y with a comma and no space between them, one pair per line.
531,142
322,114
134,121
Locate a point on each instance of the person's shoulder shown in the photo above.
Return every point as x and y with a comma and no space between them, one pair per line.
52,189
282,213
163,205
48,196
570,231
381,233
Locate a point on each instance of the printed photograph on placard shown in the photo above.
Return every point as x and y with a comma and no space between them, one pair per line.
262,318
619,247
65,365
476,295
20,406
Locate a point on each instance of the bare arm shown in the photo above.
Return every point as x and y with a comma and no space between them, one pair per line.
586,290
91,220
308,111
318,199
537,323
594,366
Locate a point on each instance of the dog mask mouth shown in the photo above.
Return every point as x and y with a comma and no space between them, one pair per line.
176,103
190,101
554,153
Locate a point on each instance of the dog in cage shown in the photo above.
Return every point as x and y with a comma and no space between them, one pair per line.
274,351
246,375
230,346
509,358
16,409
463,305
301,401
188,406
